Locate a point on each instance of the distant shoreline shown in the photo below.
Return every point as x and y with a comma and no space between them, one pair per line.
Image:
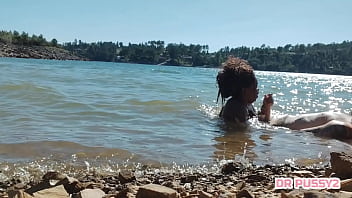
36,52
59,53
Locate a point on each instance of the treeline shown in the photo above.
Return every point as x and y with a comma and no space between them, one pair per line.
334,58
24,39
151,52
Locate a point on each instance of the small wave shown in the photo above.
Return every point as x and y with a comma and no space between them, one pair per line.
71,105
58,150
97,114
155,106
210,111
25,87
30,92
166,71
149,102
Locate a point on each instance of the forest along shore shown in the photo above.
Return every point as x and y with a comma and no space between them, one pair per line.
233,179
36,52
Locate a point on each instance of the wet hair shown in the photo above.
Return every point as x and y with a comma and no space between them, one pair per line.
235,75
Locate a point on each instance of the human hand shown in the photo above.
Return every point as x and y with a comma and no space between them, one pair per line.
268,100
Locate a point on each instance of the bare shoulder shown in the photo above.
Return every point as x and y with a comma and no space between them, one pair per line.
234,111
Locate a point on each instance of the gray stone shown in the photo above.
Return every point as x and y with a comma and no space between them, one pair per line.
53,175
203,194
38,187
188,179
303,173
18,194
244,193
231,167
341,164
54,192
317,194
71,185
240,185
126,177
156,191
91,193
346,185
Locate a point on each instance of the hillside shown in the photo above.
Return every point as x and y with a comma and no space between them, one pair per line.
37,52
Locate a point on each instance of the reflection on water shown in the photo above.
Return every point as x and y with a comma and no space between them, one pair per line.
265,144
233,140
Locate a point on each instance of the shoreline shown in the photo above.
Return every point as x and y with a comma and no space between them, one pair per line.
231,179
36,52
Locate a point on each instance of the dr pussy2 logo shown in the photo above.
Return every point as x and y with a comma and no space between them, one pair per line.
307,183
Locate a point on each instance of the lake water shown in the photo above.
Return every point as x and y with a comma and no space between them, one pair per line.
60,113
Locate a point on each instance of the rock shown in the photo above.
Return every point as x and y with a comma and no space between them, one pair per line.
292,194
155,191
71,185
20,186
203,194
92,185
144,181
303,173
341,164
328,172
231,167
126,177
240,185
18,194
174,185
53,175
91,193
54,192
130,190
38,187
317,194
244,193
346,185
344,194
188,178
109,196
255,178
187,186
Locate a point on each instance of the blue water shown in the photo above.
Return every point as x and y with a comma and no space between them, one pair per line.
68,110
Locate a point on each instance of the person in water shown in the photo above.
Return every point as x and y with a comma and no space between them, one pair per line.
238,90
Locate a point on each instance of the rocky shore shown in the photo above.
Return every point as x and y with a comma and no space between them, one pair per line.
234,179
37,52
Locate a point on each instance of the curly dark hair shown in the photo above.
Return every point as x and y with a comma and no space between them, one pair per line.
235,75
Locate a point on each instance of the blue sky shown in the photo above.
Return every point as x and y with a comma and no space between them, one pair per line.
217,23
